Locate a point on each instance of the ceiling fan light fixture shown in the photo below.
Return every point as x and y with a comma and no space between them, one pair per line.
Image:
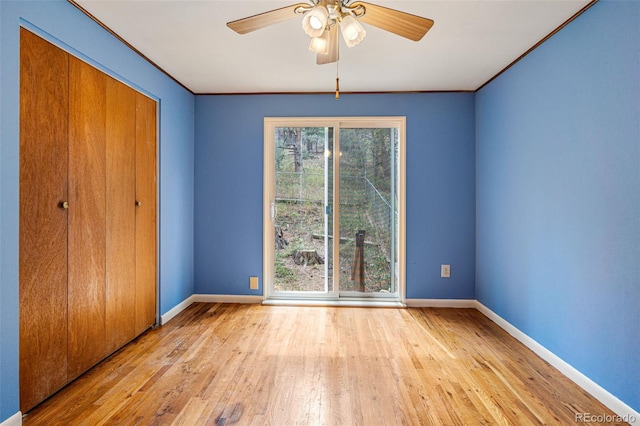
352,32
320,44
323,17
315,21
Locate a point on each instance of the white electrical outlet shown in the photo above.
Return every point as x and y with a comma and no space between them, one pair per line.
445,271
253,283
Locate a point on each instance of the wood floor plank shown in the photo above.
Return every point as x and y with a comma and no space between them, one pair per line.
223,364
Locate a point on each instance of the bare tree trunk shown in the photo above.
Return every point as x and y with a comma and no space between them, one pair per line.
357,269
280,241
297,151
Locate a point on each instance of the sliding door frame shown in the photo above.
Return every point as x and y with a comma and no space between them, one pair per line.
333,296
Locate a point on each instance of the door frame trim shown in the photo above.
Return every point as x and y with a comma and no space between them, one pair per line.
270,123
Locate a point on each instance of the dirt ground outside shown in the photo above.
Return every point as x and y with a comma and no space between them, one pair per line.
302,225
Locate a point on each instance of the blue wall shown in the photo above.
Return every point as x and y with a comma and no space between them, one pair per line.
440,185
558,196
63,24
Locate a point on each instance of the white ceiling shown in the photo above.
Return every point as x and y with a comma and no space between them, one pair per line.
470,42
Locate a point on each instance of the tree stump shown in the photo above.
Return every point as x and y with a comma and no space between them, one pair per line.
307,257
280,241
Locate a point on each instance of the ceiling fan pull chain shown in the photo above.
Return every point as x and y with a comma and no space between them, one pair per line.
337,83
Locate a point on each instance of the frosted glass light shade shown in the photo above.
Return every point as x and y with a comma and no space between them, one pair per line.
315,21
352,31
320,44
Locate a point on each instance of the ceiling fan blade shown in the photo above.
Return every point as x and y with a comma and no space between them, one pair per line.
334,49
261,20
401,23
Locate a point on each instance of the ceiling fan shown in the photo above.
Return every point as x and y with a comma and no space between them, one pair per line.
322,18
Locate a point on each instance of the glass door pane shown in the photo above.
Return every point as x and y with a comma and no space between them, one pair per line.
302,203
368,192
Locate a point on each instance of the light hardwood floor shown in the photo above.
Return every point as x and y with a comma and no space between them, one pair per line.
223,364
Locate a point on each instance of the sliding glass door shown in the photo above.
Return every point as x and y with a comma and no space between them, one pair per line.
315,247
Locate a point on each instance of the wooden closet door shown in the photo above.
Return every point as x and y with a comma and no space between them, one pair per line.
145,212
120,202
86,284
44,87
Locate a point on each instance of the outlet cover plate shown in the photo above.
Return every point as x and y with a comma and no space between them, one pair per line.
445,271
253,283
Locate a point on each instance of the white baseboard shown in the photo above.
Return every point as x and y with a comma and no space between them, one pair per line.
226,298
440,303
206,298
626,413
15,420
176,310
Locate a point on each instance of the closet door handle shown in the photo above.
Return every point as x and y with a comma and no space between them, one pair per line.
64,205
138,203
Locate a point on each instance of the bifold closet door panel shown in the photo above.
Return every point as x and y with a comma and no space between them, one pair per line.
146,185
44,86
120,232
87,209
